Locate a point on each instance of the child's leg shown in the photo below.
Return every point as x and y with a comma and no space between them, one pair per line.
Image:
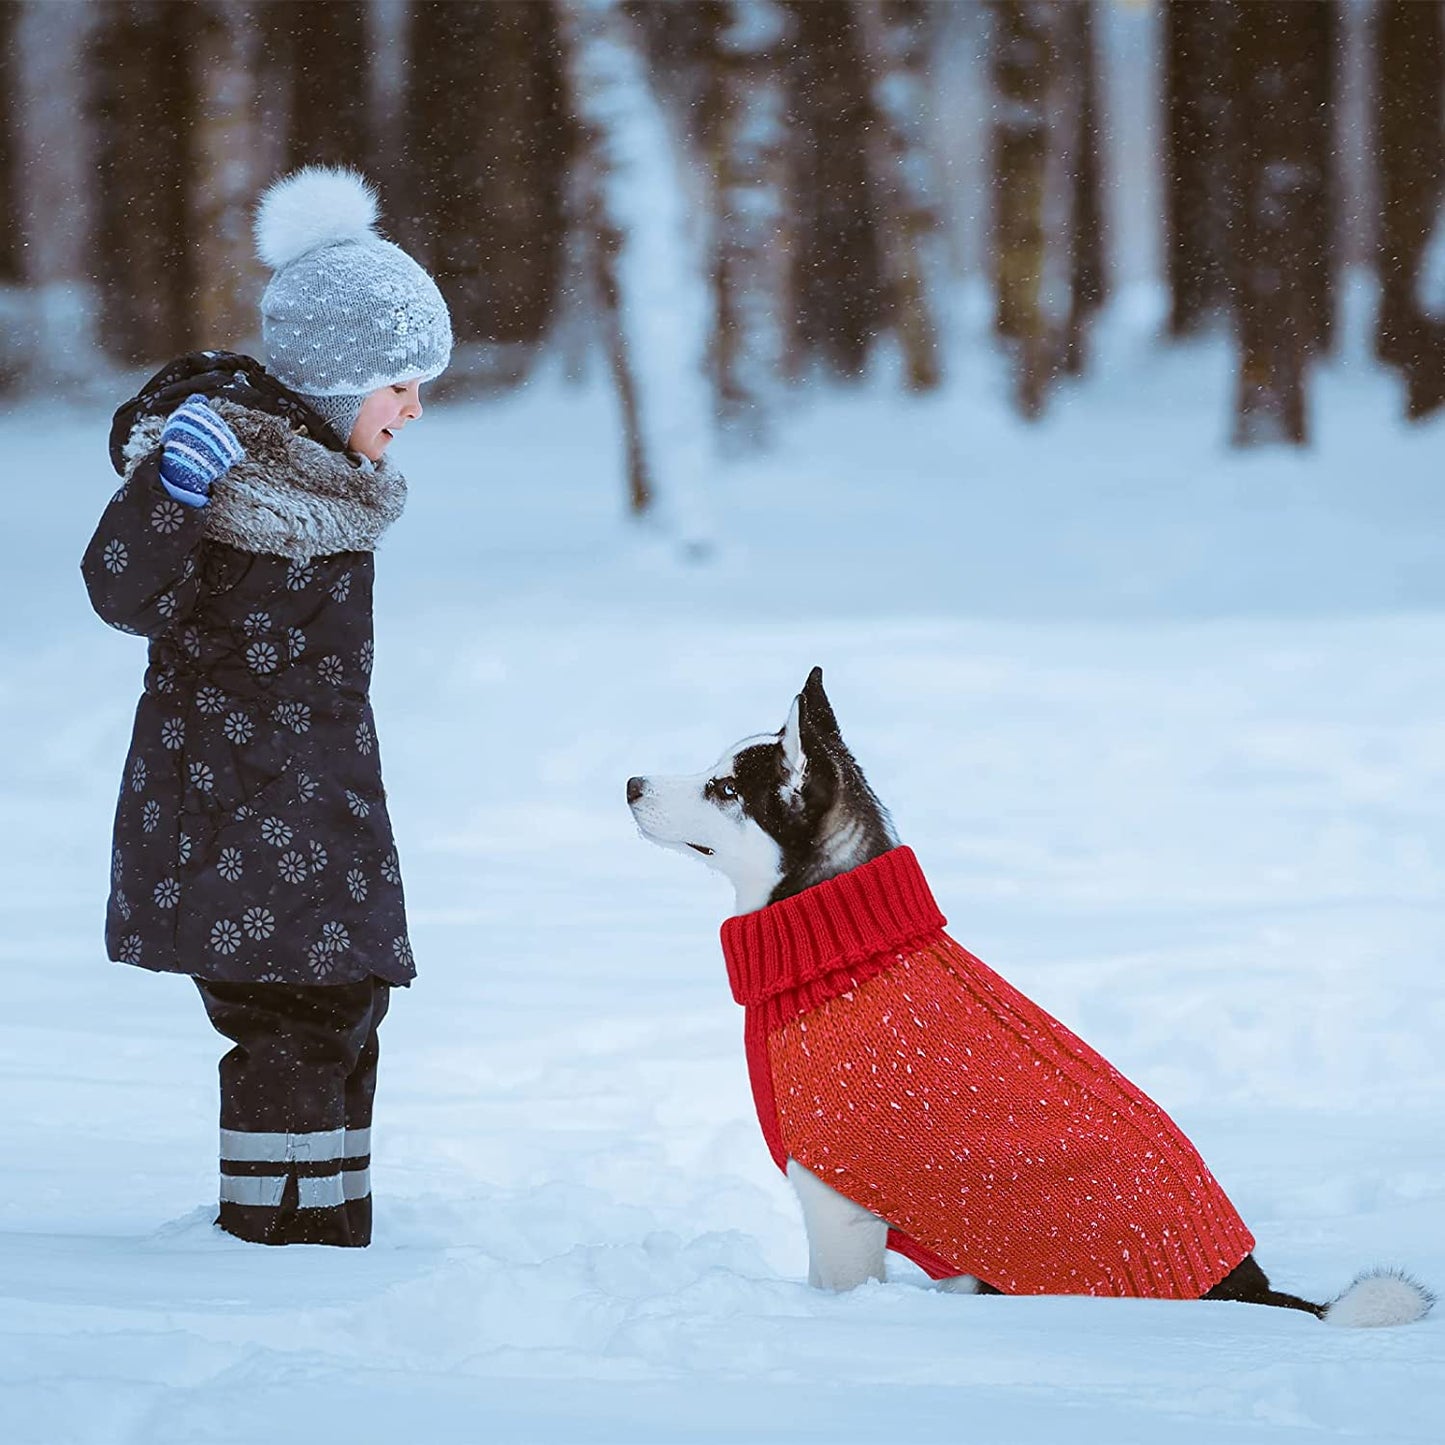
360,1090
283,1107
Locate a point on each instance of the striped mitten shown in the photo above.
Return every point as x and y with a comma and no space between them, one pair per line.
197,447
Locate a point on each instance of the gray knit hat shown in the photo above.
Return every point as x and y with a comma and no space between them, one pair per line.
346,312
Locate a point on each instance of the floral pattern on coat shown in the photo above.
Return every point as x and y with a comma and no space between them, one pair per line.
252,842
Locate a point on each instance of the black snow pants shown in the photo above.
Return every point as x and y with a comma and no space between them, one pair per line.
296,1094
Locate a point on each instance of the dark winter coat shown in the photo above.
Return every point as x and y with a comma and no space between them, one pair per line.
252,842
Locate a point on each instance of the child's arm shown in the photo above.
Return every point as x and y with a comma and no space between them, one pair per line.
140,568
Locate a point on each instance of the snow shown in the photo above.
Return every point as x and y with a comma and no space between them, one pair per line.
1162,723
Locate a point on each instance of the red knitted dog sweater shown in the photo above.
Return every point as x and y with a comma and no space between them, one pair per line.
910,1077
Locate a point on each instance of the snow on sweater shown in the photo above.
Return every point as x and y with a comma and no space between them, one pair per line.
911,1078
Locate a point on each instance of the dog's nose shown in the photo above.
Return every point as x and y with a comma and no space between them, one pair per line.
634,789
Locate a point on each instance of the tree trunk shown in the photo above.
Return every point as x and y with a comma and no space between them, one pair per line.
1201,199
9,122
225,38
650,275
1410,56
1031,285
143,102
1089,283
484,113
837,275
751,242
1278,53
320,50
54,146
894,41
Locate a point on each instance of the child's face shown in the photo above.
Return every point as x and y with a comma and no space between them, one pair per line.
382,415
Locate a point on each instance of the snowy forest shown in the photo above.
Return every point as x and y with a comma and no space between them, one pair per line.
786,191
1064,378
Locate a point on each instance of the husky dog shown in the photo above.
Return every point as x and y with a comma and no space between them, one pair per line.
780,813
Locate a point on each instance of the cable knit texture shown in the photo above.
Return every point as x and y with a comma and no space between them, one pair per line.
905,1073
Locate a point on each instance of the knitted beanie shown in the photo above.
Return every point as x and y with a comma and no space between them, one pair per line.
346,311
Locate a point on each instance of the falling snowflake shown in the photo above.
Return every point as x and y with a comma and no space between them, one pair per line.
256,622
201,776
318,857
330,669
211,700
115,558
335,938
150,817
262,657
167,893
291,867
238,728
341,588
358,805
356,885
225,936
173,733
275,832
167,517
259,923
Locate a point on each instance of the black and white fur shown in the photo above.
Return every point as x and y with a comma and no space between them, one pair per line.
781,812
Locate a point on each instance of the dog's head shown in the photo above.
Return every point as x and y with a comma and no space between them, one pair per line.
777,812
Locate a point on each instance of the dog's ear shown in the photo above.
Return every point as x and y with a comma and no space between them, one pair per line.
818,725
810,737
795,755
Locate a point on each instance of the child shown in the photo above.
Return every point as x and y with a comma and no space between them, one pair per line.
252,846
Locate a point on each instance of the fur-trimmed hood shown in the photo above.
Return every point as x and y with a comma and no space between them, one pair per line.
289,496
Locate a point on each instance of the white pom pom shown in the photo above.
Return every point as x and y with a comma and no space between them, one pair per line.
315,207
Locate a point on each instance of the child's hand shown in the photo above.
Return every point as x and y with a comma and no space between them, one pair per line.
197,447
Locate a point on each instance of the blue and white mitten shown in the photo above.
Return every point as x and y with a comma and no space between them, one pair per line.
197,447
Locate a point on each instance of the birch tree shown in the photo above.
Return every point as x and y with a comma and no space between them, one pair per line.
648,264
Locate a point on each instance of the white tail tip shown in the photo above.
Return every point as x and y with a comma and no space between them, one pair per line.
1380,1297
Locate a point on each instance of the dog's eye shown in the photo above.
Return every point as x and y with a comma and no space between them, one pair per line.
723,788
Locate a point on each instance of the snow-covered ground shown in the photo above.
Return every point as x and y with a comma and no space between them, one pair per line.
1163,724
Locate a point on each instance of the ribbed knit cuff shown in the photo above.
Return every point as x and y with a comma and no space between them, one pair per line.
873,909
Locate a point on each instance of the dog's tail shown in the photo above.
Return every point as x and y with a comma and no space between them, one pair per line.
1379,1297
1375,1298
